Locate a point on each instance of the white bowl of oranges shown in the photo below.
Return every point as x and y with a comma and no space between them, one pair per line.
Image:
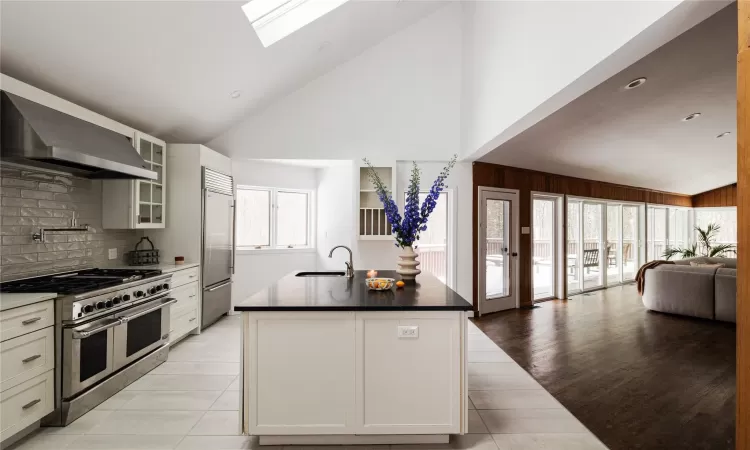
379,284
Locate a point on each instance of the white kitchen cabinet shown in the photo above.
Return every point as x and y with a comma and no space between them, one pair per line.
408,383
184,314
27,367
304,371
146,200
379,373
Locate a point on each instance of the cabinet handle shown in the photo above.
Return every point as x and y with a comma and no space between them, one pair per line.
192,320
31,403
192,276
31,358
30,321
192,296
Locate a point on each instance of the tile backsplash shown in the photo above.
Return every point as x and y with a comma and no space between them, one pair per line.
31,199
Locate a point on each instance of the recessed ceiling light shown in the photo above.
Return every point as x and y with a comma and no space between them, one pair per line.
691,117
235,94
723,134
635,83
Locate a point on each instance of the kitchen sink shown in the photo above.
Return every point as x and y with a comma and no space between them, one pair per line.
320,274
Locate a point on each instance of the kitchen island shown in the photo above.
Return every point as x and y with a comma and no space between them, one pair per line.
326,361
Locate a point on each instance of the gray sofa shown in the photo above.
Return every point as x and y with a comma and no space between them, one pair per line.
705,292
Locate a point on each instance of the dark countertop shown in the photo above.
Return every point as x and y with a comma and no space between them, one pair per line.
292,293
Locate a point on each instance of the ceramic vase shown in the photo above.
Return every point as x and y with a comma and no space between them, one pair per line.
407,267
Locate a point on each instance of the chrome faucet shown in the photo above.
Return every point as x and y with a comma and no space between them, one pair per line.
349,265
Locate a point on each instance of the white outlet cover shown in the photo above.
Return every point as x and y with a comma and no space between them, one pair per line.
410,332
112,253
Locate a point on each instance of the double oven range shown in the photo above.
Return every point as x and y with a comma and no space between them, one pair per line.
112,327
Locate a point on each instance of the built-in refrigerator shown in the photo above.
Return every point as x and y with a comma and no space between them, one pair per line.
218,254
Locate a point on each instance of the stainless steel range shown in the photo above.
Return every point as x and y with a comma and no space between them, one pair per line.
112,327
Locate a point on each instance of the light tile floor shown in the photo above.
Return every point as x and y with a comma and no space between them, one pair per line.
191,402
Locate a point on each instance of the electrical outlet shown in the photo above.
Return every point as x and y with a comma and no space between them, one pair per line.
112,253
410,332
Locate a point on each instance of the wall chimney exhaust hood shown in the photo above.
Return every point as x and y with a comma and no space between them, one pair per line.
35,135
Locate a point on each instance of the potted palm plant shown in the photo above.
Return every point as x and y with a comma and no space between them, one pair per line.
704,247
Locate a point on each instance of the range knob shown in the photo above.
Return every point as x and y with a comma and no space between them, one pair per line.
152,290
88,308
116,300
100,305
108,303
126,297
158,288
165,286
138,294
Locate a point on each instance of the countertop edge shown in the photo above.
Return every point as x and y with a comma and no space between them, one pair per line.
18,300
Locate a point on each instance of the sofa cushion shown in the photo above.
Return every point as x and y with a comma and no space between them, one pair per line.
726,295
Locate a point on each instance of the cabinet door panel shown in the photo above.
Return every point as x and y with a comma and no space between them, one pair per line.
408,384
302,374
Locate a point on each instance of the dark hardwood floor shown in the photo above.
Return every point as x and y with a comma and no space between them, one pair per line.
637,379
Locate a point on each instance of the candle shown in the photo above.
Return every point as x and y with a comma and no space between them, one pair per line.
372,273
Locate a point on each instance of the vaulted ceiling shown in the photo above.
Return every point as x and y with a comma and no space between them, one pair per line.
637,137
169,67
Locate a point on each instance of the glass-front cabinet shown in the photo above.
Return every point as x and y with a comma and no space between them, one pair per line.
134,204
150,193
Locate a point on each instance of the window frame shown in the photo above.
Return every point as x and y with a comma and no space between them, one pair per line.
273,246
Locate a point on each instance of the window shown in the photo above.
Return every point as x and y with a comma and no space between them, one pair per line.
668,227
273,218
273,20
432,246
726,218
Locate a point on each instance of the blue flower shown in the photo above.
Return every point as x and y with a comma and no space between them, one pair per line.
406,230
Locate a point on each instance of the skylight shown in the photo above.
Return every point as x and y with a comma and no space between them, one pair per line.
274,20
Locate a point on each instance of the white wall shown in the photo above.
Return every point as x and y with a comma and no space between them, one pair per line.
524,60
335,224
400,98
256,270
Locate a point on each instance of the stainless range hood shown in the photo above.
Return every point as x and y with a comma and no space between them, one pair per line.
35,135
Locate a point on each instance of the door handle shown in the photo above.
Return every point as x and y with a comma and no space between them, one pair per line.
30,358
216,288
162,304
514,254
31,403
234,234
86,333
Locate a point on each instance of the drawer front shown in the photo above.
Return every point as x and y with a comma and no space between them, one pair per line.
183,324
187,299
26,357
26,403
19,321
182,277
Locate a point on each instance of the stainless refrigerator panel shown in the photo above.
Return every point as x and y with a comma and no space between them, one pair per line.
217,301
217,238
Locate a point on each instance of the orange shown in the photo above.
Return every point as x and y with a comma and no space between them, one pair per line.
400,283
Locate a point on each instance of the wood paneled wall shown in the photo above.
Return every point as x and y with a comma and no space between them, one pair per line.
743,217
723,196
526,181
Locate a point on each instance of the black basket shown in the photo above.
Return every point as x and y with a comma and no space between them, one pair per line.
143,257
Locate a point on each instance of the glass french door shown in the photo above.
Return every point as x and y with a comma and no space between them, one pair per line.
614,250
544,246
594,252
630,256
586,245
498,250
